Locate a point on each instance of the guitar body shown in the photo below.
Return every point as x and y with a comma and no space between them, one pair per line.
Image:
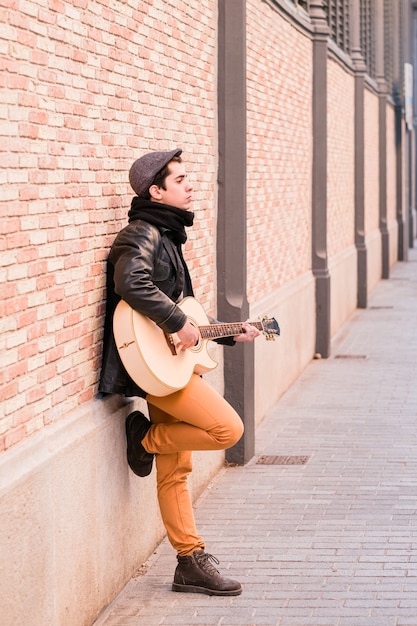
146,353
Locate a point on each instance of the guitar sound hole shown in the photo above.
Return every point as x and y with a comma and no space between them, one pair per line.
197,346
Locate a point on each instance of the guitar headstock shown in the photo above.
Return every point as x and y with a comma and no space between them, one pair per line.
270,328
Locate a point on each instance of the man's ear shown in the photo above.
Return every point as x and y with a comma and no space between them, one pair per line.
155,192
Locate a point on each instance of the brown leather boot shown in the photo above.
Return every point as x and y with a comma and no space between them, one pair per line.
195,574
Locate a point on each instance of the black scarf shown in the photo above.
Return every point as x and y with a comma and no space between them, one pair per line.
164,215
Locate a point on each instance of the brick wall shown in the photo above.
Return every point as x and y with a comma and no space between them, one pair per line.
340,179
87,87
279,98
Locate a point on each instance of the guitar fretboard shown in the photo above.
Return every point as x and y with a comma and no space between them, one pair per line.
215,331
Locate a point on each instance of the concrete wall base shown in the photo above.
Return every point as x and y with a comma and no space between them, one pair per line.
393,242
278,363
75,522
374,244
343,270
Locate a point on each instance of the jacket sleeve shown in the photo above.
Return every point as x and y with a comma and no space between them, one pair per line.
134,256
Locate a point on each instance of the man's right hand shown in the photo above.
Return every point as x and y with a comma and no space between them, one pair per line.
188,337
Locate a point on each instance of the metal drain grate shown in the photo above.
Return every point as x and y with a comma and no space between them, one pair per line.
271,459
380,308
350,356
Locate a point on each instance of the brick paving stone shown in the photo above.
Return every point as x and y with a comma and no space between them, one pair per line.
332,542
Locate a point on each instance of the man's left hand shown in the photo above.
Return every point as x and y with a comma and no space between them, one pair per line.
249,333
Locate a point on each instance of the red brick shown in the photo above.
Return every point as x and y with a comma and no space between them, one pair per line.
8,391
63,306
54,354
29,193
36,331
12,437
28,349
22,416
20,303
35,394
47,373
37,269
27,254
86,396
10,225
56,295
27,318
70,376
17,240
45,282
64,336
72,319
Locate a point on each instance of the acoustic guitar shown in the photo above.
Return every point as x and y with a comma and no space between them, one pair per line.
150,357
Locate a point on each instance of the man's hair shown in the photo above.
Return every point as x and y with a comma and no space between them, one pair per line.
159,178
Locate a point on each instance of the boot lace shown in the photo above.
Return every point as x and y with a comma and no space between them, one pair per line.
204,562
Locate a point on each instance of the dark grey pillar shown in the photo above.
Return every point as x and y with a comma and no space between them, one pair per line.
413,225
359,78
382,122
231,223
408,45
319,191
402,221
399,145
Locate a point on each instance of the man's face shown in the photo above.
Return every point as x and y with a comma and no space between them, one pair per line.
178,190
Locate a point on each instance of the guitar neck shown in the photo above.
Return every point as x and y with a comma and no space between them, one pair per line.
215,331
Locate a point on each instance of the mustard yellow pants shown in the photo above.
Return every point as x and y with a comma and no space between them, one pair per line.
194,418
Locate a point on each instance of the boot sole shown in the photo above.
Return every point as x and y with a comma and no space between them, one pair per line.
205,590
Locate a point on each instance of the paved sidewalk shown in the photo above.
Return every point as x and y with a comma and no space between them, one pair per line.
332,542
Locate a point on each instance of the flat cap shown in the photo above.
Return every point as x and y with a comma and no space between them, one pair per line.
144,169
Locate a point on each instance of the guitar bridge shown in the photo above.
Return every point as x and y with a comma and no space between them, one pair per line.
170,344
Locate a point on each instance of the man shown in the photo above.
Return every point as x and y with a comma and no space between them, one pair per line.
146,269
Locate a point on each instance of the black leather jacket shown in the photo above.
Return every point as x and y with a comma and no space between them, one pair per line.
144,269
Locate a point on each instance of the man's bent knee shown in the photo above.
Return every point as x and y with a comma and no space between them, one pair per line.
237,432
230,434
